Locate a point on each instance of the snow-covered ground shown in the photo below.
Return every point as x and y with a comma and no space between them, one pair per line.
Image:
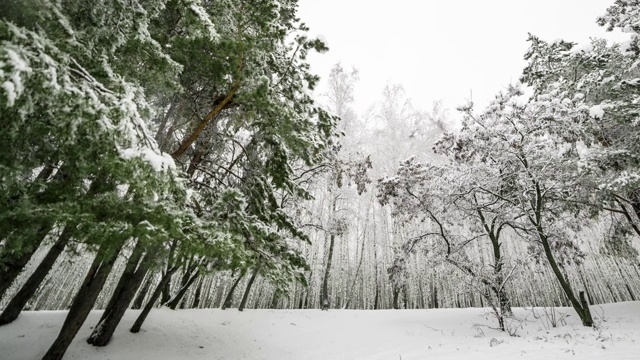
340,334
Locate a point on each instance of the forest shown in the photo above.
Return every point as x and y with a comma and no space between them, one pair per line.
176,153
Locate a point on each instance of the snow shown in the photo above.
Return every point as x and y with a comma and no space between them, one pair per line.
159,162
339,334
202,15
596,111
10,89
13,86
323,38
582,49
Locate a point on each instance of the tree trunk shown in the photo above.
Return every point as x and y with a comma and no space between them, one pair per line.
396,297
325,302
634,198
154,297
129,282
30,287
13,265
434,293
166,290
197,295
139,300
276,298
499,281
82,304
581,307
228,300
355,278
245,297
173,303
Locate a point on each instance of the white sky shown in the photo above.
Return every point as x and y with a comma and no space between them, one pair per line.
441,49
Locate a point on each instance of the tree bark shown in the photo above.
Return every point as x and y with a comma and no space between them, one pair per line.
325,302
13,265
581,307
186,143
139,300
228,300
245,297
173,303
30,287
82,304
154,297
197,296
129,282
634,197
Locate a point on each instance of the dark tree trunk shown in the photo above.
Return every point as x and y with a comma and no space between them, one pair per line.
498,286
197,295
228,300
325,302
300,301
376,304
276,298
154,297
12,265
30,287
82,304
129,282
434,293
173,303
245,297
634,198
396,297
581,307
139,300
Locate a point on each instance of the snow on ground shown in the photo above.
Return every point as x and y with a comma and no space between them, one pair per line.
339,334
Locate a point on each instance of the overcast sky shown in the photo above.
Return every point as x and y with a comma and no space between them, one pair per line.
441,49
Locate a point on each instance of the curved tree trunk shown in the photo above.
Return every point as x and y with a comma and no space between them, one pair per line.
580,306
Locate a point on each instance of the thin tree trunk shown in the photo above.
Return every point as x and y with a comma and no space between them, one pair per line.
245,297
434,292
276,298
355,278
82,304
228,300
154,297
139,300
30,287
581,307
197,295
173,303
325,302
634,198
499,286
12,265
